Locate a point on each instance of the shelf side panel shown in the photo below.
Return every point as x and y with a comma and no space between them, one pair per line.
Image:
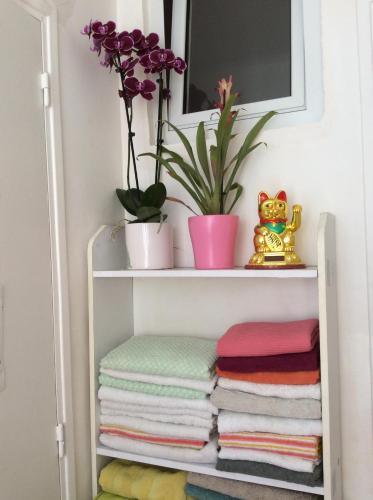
110,323
109,249
329,352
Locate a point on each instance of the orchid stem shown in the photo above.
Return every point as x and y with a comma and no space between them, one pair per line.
129,125
159,129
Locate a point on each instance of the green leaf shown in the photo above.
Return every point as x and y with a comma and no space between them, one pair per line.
155,195
186,144
131,199
239,189
174,175
144,213
247,147
202,151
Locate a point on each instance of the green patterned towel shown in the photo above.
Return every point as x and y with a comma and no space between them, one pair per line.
154,389
184,357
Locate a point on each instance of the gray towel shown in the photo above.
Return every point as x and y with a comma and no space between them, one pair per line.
263,405
243,491
272,471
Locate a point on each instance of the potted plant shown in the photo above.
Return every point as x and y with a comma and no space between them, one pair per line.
210,179
149,238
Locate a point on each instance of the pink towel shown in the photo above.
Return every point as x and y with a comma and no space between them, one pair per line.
268,339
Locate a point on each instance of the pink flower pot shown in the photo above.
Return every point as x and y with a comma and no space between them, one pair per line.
213,239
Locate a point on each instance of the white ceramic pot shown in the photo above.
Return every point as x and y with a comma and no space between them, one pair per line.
150,245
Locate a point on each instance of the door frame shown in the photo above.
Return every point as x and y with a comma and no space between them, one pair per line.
365,46
46,11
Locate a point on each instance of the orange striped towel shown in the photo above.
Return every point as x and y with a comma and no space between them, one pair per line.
306,447
118,430
285,378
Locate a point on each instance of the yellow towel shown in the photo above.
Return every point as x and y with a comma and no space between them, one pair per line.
143,482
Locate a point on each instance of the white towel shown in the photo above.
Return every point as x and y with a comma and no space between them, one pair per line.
124,407
206,386
229,421
280,391
119,395
292,463
207,455
159,428
162,417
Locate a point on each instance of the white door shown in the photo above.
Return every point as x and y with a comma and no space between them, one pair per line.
29,466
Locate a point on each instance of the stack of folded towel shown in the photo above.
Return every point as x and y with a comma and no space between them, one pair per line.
122,480
154,398
269,393
203,487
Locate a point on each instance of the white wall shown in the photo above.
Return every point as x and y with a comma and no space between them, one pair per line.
92,154
320,165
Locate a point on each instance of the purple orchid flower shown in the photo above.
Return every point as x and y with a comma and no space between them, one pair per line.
146,63
103,29
138,38
148,43
122,43
87,29
100,32
161,59
134,87
179,65
128,66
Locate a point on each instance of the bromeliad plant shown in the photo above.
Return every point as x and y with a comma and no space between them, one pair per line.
210,178
125,52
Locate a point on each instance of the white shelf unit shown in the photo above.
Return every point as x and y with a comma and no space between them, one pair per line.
124,302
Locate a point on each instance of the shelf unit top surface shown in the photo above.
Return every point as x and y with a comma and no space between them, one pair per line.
238,272
208,469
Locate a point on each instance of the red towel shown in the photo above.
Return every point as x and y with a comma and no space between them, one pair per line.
303,361
268,339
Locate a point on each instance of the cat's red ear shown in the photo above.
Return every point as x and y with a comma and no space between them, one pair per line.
263,196
281,195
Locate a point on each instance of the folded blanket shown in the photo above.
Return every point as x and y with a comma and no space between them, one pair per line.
285,378
158,428
118,430
312,391
154,389
292,463
118,395
208,454
263,405
153,409
204,494
162,417
229,422
184,357
305,447
303,361
143,482
314,479
244,491
267,339
205,386
108,496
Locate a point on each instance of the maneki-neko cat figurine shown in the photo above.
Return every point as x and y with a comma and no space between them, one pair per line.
274,238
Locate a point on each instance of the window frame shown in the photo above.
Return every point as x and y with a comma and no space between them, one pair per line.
308,110
247,110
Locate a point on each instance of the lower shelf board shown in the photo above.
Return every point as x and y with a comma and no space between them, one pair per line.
208,469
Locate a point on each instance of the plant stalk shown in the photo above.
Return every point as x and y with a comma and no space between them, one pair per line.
129,117
159,128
